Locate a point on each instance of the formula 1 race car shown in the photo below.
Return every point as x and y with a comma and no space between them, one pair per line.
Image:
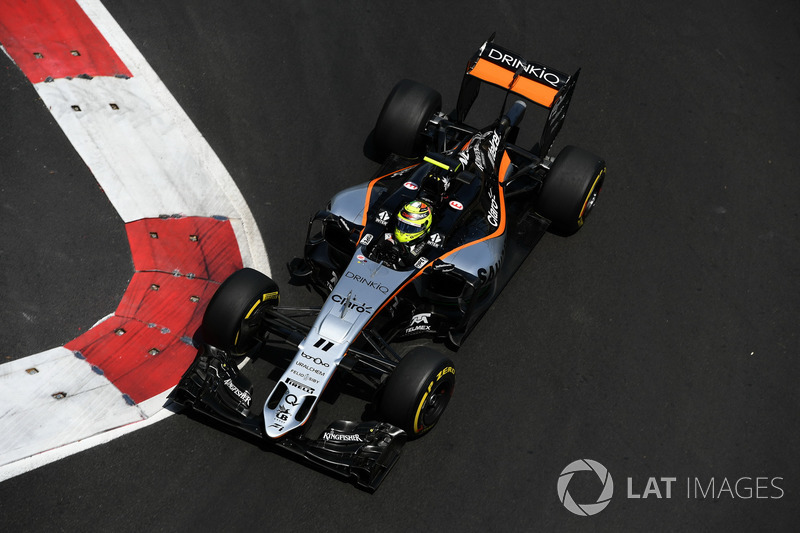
419,252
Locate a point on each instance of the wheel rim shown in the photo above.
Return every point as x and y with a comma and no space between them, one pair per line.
590,203
247,336
433,406
591,198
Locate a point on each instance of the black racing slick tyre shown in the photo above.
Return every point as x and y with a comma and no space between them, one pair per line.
404,116
233,318
418,391
570,189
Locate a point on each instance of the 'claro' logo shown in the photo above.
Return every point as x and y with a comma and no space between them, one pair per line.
358,307
585,509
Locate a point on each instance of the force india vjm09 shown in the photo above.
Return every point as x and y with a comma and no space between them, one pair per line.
420,251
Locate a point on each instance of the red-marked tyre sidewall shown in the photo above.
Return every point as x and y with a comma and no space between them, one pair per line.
418,391
232,320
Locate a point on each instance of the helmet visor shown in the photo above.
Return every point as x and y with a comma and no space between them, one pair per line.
411,229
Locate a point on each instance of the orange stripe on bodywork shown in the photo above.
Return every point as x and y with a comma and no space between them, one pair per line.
369,194
504,163
369,191
532,90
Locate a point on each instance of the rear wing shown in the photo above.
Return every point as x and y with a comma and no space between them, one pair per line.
538,83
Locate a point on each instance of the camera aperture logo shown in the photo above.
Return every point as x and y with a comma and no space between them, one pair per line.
585,509
585,486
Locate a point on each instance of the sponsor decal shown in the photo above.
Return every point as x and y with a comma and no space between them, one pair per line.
316,360
531,69
494,214
298,385
435,240
242,395
411,186
350,304
366,239
291,399
309,368
421,262
474,149
419,323
417,248
479,161
361,258
494,144
282,413
304,376
455,204
421,318
463,156
383,218
342,437
485,276
364,281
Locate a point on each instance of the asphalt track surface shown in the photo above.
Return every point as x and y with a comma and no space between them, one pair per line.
660,340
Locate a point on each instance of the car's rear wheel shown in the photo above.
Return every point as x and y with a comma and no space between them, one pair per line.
418,391
233,319
404,116
571,189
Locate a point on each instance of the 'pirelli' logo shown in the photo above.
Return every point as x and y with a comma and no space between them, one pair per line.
298,385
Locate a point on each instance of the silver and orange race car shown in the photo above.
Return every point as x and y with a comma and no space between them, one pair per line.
419,252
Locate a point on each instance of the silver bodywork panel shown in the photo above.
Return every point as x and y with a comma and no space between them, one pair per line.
357,297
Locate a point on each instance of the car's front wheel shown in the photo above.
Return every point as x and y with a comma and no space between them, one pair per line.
233,318
418,391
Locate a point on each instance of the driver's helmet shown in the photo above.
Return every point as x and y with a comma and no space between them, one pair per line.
413,222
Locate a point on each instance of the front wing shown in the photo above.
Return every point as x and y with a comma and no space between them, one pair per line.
362,451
